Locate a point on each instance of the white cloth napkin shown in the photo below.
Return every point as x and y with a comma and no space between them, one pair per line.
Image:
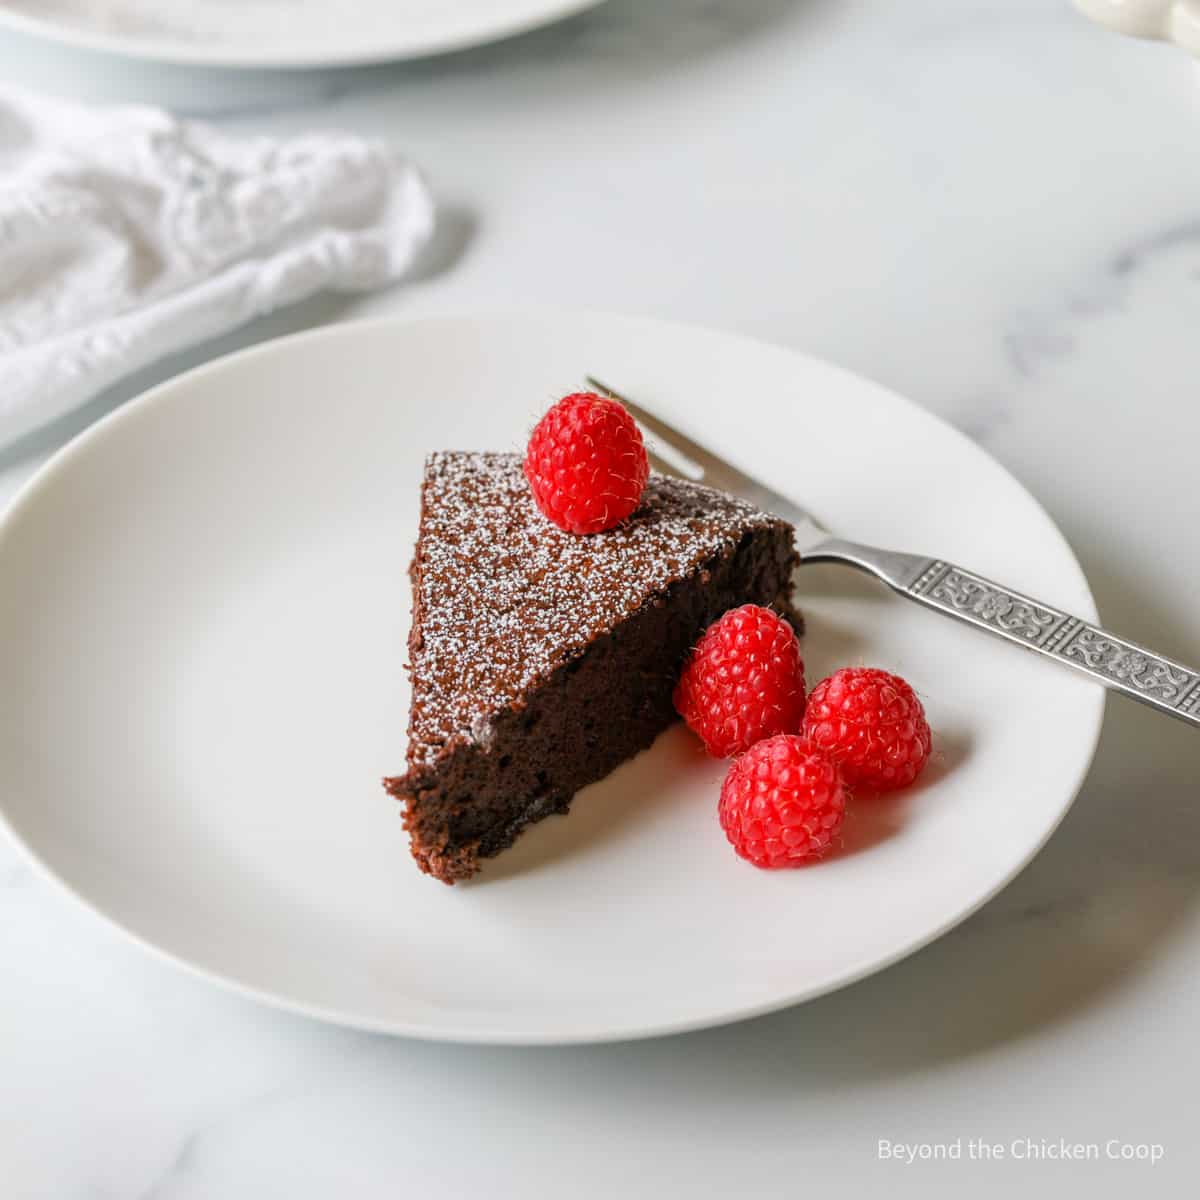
126,234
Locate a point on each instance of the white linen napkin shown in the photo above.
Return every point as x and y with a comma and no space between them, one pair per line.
126,234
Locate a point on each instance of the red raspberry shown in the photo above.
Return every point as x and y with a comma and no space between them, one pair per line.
586,463
743,682
782,802
873,725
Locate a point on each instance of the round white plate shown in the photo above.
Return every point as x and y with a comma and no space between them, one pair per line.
203,614
282,33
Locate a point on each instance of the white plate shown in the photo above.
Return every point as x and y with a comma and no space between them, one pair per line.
282,33
203,613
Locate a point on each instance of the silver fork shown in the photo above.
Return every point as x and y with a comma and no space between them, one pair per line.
947,588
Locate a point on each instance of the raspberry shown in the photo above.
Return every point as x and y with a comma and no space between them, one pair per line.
782,802
586,463
873,725
743,682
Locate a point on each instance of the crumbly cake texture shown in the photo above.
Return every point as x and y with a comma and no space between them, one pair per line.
541,659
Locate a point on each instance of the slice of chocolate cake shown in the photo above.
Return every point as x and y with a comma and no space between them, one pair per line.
541,659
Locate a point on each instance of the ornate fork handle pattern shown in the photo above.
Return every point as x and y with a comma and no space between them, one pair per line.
1119,664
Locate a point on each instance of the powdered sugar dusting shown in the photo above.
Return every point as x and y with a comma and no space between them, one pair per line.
504,597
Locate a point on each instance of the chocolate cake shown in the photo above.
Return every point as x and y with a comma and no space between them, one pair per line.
540,659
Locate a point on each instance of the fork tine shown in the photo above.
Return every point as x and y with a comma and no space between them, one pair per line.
661,465
716,469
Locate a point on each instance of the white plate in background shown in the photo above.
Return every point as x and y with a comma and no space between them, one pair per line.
203,615
281,33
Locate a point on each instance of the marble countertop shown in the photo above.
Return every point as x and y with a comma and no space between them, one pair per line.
989,205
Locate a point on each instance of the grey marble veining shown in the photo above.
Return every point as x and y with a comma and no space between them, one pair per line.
992,207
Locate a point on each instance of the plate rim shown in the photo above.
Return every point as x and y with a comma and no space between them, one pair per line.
161,394
176,52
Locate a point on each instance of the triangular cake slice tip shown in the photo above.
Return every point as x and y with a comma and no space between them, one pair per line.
540,660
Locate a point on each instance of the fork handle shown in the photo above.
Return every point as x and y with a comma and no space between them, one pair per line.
1120,665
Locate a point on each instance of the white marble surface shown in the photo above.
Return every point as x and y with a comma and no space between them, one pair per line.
990,205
